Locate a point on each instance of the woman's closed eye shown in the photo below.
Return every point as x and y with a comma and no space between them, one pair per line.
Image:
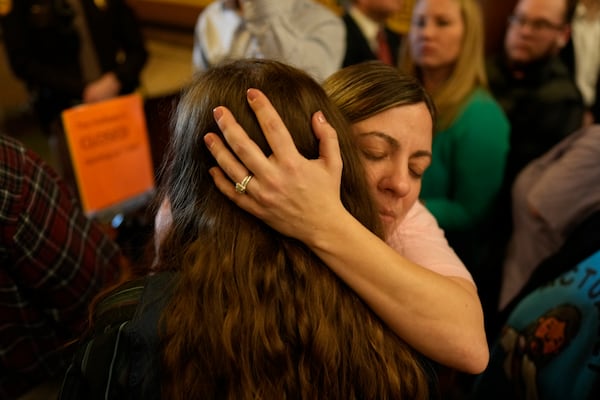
419,165
417,173
374,154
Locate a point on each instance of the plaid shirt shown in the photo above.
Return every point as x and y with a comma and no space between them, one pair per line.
53,261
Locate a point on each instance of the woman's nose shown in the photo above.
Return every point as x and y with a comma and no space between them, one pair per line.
398,181
426,29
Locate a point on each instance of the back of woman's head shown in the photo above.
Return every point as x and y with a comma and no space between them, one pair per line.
363,90
195,201
255,314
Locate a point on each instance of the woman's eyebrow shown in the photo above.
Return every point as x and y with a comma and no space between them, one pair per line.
381,135
421,153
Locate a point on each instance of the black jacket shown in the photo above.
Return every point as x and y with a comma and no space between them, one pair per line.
43,48
543,107
357,46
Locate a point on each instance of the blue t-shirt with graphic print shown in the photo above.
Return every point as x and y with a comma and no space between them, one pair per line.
550,346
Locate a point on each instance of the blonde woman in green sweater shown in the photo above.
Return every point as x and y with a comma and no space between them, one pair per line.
445,51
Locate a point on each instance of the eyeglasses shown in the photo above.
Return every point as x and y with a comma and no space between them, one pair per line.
535,24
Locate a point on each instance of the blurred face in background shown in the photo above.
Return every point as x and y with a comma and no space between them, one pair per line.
536,30
395,146
436,34
379,10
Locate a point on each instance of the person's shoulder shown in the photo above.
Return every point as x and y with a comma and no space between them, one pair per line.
12,154
18,161
592,133
119,304
311,4
12,145
123,302
481,95
419,218
558,84
481,112
103,359
586,141
481,104
315,12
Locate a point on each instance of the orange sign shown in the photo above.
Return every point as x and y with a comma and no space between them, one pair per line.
110,152
5,7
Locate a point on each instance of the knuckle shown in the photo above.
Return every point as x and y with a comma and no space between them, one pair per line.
272,124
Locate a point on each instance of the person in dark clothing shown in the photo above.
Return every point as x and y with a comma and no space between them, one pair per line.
543,107
532,84
69,52
542,103
367,36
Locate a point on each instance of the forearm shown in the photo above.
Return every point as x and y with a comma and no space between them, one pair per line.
436,315
439,316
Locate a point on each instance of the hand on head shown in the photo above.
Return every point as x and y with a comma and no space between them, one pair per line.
288,191
104,88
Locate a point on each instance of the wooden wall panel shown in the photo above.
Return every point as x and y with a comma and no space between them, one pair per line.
175,14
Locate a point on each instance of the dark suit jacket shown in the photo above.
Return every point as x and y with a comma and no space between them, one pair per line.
357,46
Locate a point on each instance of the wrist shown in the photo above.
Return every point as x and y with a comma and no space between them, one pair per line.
324,234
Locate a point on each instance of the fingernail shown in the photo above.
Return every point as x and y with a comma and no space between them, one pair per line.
251,93
217,113
209,140
321,117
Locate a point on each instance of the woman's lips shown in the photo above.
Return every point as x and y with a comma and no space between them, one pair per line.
387,216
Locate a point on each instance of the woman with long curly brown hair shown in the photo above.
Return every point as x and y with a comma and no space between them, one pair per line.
246,312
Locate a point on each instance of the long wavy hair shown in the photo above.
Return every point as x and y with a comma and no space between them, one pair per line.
255,314
469,70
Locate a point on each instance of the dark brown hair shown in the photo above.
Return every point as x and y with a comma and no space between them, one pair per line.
255,314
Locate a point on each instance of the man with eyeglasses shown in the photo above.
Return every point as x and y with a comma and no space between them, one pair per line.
534,87
536,91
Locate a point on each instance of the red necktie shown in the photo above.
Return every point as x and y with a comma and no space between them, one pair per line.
383,48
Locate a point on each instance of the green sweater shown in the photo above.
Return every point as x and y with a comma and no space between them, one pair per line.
468,162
